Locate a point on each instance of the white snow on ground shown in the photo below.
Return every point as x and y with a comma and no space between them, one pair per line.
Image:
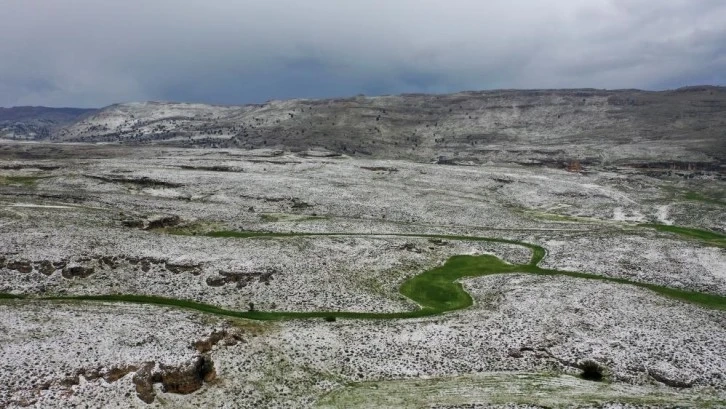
40,206
643,258
45,343
622,215
662,214
519,323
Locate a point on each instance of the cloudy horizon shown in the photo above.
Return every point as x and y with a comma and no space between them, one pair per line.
92,53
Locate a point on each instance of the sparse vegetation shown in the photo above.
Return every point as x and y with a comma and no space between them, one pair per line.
592,371
705,199
707,236
545,390
427,280
19,180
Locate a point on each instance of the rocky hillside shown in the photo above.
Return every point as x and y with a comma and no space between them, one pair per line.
37,122
680,128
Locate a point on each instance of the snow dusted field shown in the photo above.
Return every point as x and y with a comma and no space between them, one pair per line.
133,222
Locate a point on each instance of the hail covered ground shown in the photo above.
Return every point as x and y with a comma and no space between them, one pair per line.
508,249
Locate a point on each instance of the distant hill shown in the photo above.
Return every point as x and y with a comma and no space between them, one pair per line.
37,122
535,127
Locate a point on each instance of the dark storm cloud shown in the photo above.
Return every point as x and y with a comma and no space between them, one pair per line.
96,52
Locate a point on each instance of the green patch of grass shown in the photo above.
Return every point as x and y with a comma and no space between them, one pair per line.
438,288
7,296
19,180
706,236
701,198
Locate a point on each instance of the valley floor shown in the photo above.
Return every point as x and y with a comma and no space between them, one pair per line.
344,238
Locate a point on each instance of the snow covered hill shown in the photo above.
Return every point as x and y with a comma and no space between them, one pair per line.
36,122
525,126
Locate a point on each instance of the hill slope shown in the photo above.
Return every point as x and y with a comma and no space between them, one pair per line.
37,122
527,126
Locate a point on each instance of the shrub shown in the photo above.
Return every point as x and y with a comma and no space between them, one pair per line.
591,371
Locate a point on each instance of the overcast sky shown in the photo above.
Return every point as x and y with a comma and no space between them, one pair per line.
92,53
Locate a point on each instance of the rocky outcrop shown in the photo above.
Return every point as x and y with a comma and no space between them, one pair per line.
147,264
23,266
669,379
159,222
185,378
45,267
182,379
144,380
110,261
82,267
153,222
116,373
194,269
77,272
241,279
143,181
408,246
85,266
188,377
227,337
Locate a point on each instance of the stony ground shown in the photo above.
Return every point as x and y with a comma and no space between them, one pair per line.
111,220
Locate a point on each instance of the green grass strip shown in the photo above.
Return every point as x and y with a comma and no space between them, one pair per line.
19,180
700,198
436,291
7,296
707,236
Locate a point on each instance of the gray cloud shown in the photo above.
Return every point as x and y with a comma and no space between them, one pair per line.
96,52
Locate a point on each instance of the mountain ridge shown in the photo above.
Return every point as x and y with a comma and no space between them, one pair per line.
604,126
